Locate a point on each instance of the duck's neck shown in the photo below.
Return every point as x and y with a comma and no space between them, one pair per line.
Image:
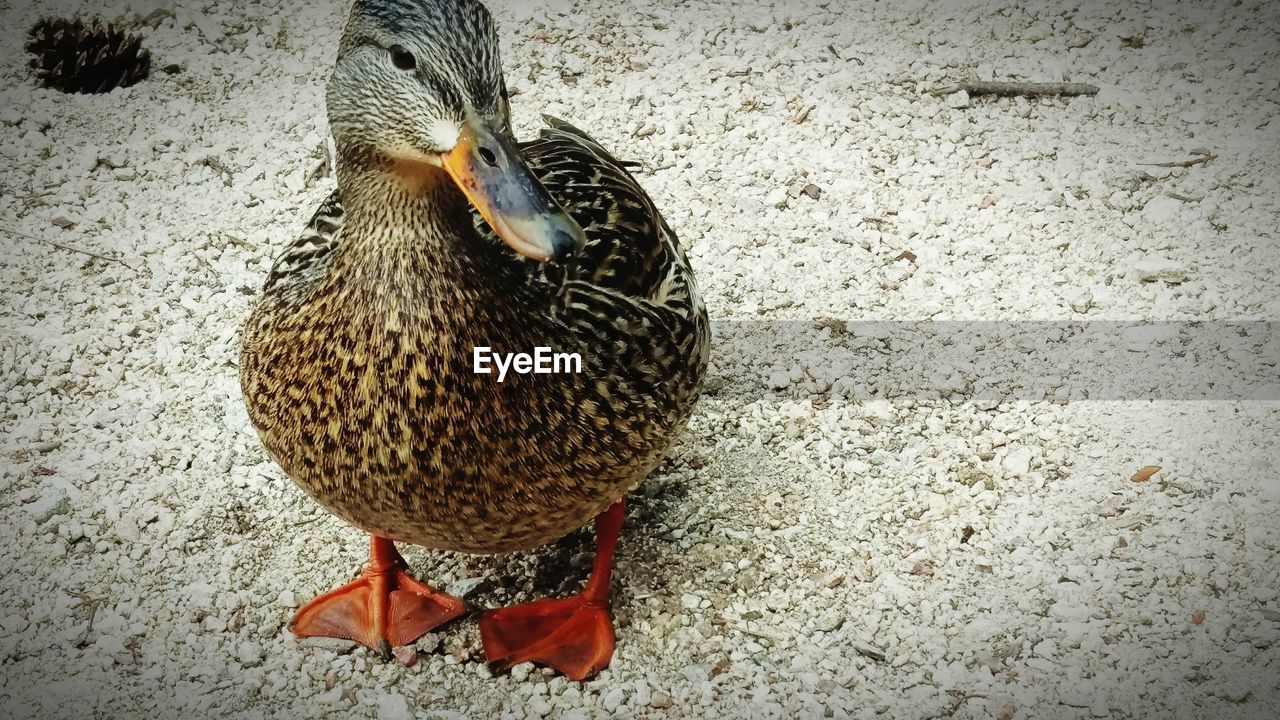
400,214
410,256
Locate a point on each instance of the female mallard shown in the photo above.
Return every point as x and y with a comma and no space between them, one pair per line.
446,235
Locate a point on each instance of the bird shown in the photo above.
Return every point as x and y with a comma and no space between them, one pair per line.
445,235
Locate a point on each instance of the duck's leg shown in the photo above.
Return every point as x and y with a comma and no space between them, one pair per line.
573,635
384,608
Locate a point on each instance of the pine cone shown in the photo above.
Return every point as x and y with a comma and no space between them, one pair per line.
73,57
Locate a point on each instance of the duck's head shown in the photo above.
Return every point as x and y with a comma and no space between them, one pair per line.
418,85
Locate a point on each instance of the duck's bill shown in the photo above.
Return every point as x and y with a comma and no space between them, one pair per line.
487,166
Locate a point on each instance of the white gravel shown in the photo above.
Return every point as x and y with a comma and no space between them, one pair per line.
829,538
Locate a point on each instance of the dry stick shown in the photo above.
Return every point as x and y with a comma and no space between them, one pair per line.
1009,89
1184,164
762,632
70,248
960,699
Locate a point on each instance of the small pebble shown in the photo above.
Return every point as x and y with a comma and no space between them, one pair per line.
393,707
1018,461
249,653
53,503
406,655
1153,269
613,699
777,198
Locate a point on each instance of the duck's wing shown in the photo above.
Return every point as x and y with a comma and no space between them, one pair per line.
306,260
631,286
630,250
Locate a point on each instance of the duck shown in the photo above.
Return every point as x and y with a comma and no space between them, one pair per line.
446,236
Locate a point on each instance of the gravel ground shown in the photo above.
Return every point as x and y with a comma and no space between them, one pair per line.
849,526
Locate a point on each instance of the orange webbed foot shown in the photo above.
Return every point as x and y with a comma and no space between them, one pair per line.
573,635
385,607
570,635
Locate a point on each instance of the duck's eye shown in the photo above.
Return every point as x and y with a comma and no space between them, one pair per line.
402,58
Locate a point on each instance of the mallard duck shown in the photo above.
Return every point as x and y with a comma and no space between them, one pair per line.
445,235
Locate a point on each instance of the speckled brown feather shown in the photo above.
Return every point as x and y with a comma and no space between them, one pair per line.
356,364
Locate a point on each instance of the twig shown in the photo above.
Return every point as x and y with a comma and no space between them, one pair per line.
832,49
1026,89
69,248
1202,157
91,602
763,633
867,650
960,698
217,166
